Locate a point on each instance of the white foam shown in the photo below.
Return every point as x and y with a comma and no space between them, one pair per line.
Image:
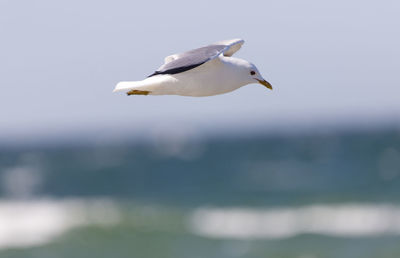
35,222
351,220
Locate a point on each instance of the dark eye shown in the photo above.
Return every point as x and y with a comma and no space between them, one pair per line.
252,73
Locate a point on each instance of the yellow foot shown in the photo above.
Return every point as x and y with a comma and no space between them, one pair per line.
138,92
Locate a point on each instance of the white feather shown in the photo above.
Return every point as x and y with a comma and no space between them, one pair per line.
220,74
146,84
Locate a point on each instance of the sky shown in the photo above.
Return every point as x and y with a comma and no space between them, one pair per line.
330,62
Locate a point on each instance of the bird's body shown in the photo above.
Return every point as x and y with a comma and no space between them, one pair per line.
200,72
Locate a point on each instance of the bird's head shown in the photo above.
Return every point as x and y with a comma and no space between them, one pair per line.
246,72
255,76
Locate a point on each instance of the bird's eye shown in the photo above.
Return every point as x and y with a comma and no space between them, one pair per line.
252,73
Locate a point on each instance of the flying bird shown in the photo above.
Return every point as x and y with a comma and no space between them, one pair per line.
205,71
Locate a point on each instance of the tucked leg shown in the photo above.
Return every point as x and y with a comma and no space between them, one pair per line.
138,92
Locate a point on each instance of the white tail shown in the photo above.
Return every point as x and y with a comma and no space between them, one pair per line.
148,84
125,86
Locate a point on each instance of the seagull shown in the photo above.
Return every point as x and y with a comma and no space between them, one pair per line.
205,71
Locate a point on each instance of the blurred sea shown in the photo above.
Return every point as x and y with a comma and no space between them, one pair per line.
306,196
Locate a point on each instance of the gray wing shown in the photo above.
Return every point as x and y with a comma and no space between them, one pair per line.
179,63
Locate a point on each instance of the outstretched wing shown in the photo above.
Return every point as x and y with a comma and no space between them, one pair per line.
233,46
182,62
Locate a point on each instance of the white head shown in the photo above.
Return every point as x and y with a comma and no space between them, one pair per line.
249,72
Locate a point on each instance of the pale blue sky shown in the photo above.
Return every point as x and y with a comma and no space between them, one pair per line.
331,62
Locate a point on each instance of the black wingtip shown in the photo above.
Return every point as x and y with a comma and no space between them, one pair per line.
155,73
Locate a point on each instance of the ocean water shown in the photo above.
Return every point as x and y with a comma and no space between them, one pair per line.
308,195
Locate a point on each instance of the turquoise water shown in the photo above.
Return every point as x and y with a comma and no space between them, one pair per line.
314,195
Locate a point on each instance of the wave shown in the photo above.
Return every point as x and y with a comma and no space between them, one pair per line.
36,222
350,220
27,223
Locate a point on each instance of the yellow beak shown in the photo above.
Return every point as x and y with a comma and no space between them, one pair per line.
265,83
